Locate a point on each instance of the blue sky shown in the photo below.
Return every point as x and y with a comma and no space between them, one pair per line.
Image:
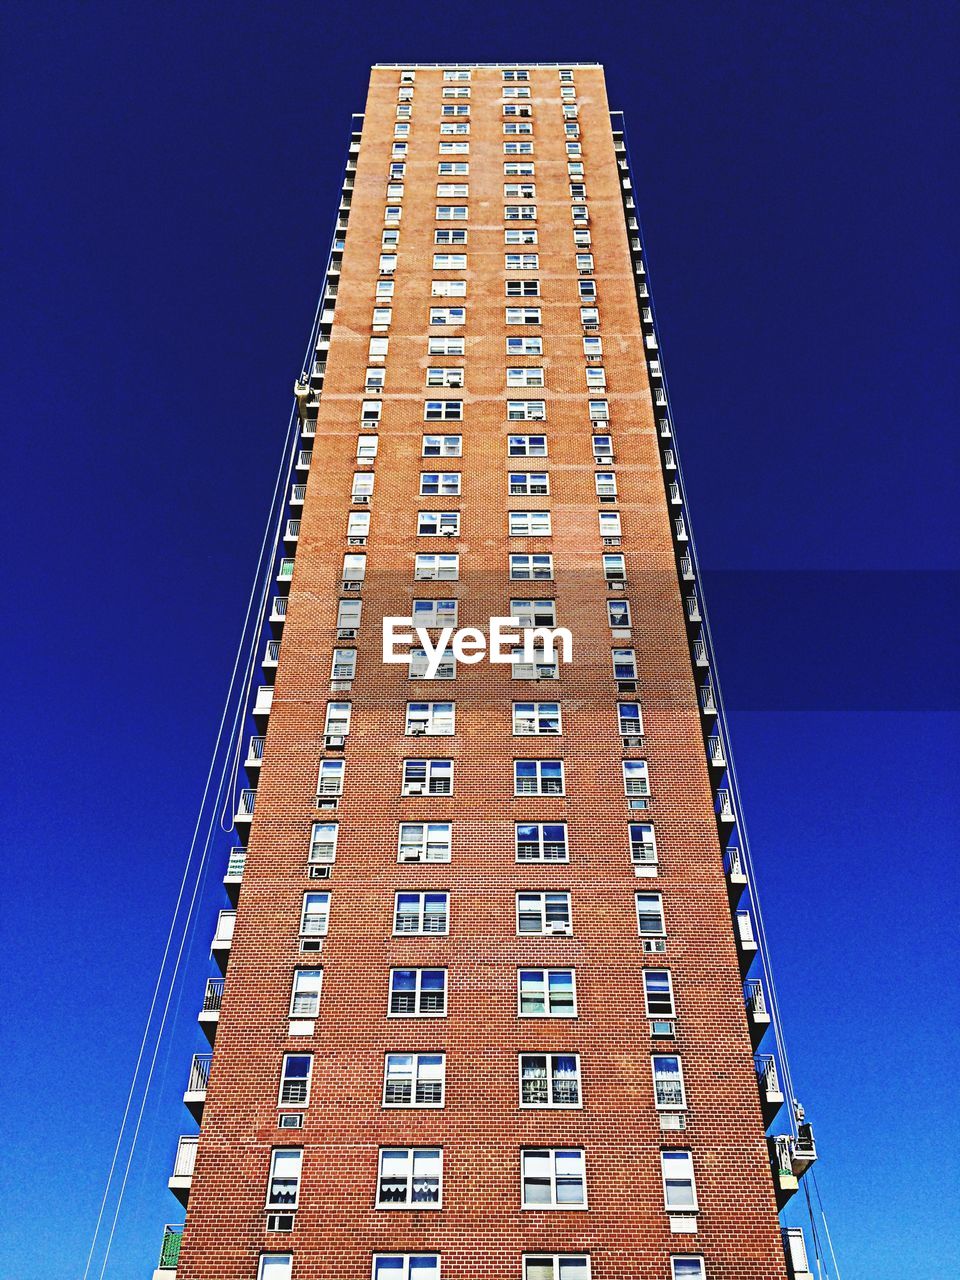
171,181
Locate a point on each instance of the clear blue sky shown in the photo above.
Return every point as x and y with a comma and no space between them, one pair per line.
171,175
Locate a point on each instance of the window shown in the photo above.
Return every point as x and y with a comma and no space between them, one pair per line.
687,1266
348,613
624,664
367,448
523,288
526,410
435,613
546,993
520,190
443,410
283,1186
543,842
457,73
527,484
643,844
518,148
453,168
592,347
315,915
406,1266
420,662
527,446
538,778
536,718
589,317
510,92
442,446
549,1080
553,1179
519,169
520,235
614,568
450,235
536,568
448,289
330,778
427,777
449,262
521,262
421,913
381,317
448,315
275,1266
650,923
668,1090
636,778
596,378
418,993
445,376
523,347
371,411
630,718
442,568
410,1178
379,346
574,149
453,190
358,525
414,1079
618,614
458,92
394,190
460,127
337,723
388,262
525,376
606,484
543,913
375,378
679,1187
599,410
534,613
574,169
305,997
516,75
523,315
323,842
344,665
514,128
529,524
444,346
658,993
454,148
556,1266
295,1079
435,524
451,212
430,718
424,842
443,484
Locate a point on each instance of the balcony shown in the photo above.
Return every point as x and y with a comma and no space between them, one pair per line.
304,458
182,1177
669,460
209,1015
686,567
790,1158
195,1094
736,872
234,876
708,700
795,1249
254,755
724,807
700,658
223,938
262,704
292,531
271,658
285,572
771,1095
308,400
245,807
758,1015
169,1252
715,752
298,493
278,611
747,946
693,608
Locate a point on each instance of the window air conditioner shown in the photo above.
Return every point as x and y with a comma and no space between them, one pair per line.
346,633
557,926
603,458
411,855
418,729
319,873
361,499
414,789
655,944
335,740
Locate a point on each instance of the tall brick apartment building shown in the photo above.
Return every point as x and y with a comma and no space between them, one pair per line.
494,1003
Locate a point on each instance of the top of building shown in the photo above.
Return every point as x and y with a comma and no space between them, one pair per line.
513,63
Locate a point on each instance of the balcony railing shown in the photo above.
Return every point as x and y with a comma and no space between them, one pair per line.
199,1072
213,995
186,1156
225,923
170,1248
236,861
245,805
724,806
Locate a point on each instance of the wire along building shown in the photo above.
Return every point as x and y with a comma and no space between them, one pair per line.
493,999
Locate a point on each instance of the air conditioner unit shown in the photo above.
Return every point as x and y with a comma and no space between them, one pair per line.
319,873
602,458
633,740
449,533
361,499
414,789
626,686
311,944
661,1029
279,1221
658,945
327,802
589,327
612,542
407,855
346,633
335,740
607,497
291,1120
558,927
357,542
639,804
351,585
418,730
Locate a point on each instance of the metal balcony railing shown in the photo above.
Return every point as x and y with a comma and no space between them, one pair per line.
170,1248
186,1157
246,803
225,924
753,995
255,749
199,1072
236,861
766,1067
213,995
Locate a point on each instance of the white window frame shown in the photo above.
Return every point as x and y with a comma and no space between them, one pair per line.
394,1072
437,777
548,1010
534,718
529,524
673,1160
539,568
450,446
309,995
424,844
315,923
411,1154
681,1103
647,907
278,1157
552,1154
442,567
556,1259
284,1079
418,992
436,713
538,782
421,915
528,901
551,1077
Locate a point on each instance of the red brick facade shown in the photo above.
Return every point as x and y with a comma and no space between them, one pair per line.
482,1230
